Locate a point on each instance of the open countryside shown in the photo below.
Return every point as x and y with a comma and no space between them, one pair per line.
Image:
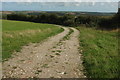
60,44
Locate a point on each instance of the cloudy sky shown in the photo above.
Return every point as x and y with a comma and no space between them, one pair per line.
61,5
59,0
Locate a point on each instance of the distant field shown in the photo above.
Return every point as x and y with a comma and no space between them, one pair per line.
100,52
18,33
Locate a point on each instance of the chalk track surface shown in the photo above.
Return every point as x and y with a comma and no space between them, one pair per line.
56,57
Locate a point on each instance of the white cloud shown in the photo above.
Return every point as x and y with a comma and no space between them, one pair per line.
77,4
93,3
119,5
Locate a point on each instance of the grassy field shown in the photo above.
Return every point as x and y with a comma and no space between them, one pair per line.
18,33
100,53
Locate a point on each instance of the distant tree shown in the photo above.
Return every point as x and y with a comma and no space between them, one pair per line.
21,17
43,18
116,20
3,16
32,18
53,18
68,20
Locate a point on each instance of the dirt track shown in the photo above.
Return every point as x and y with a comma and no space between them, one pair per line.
53,58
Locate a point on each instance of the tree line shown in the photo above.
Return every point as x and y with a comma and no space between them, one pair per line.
70,20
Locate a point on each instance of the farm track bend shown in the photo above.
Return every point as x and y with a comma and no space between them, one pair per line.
57,57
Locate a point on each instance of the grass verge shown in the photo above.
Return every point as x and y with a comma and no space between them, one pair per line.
100,53
18,33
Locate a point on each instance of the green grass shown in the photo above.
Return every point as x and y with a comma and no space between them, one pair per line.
18,33
0,41
100,53
67,37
